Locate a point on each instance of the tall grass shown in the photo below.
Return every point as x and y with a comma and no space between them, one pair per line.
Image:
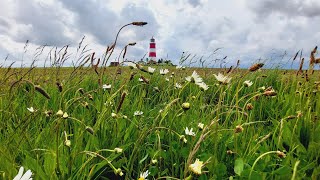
83,129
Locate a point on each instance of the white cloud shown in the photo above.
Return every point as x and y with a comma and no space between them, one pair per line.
246,30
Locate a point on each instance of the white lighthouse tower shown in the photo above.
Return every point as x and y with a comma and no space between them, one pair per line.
152,51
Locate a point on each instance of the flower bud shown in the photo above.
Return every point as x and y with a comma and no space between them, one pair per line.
186,106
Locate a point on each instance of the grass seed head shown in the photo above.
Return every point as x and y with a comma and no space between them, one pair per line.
229,152
90,97
249,106
41,91
291,117
90,130
281,154
255,67
48,113
139,23
270,93
59,85
85,104
81,90
238,129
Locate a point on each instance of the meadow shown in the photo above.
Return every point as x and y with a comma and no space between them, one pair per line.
159,122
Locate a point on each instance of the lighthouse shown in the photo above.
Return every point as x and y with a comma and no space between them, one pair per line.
152,51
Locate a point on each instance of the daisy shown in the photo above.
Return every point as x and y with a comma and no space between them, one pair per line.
180,67
140,79
195,78
189,132
222,79
131,65
151,70
25,176
106,86
178,86
144,175
31,109
164,71
247,83
196,167
138,113
203,86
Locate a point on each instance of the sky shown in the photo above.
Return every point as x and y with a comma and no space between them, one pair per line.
268,31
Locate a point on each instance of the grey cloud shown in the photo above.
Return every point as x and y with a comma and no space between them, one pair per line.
194,3
288,8
40,23
95,18
132,12
4,25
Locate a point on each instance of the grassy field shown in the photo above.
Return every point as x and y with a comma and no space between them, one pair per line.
67,123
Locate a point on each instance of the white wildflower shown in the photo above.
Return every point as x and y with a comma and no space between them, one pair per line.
189,132
178,86
25,176
164,71
247,83
31,109
222,79
151,70
138,113
131,64
106,86
180,67
195,78
144,175
203,86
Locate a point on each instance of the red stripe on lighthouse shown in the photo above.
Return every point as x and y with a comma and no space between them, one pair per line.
152,45
152,54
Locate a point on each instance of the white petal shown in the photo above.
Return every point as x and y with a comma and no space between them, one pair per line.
27,175
19,175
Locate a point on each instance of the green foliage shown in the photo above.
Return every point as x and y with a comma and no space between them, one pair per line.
236,142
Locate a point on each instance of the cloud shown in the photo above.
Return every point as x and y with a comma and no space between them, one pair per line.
246,30
194,3
93,18
288,8
40,23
